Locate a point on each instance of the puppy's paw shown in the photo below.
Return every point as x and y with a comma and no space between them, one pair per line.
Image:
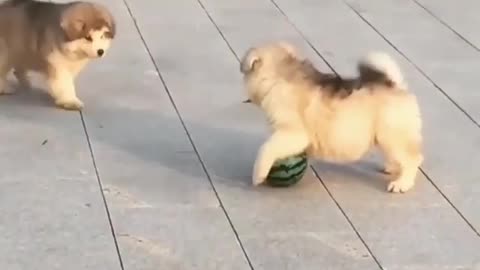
259,174
71,104
400,186
6,90
256,181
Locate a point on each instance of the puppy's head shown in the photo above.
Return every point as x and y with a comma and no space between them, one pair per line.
266,57
89,29
266,63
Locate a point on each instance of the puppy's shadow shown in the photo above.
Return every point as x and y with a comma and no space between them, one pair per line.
227,147
159,138
27,98
34,97
151,136
361,174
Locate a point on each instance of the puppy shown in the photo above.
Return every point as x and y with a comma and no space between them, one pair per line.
56,40
332,118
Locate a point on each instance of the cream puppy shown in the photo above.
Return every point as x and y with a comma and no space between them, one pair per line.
333,118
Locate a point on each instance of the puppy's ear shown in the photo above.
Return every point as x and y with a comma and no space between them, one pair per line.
290,49
107,19
73,28
250,61
113,27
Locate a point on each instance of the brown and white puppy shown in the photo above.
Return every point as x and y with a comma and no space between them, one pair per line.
54,39
333,118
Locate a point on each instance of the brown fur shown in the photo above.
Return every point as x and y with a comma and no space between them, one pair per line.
78,21
56,40
330,117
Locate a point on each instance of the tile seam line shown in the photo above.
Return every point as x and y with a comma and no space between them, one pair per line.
218,30
190,139
313,169
100,186
472,227
394,47
330,194
422,170
414,65
444,23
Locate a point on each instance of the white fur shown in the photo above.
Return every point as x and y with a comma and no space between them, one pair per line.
61,81
89,49
67,66
384,63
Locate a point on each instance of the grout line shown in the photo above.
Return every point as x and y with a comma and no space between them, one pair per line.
350,222
422,170
107,211
218,30
112,230
451,204
446,25
190,139
304,37
414,65
314,170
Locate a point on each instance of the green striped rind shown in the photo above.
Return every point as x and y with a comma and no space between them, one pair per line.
288,171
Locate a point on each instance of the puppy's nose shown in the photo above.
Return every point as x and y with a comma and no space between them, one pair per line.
100,52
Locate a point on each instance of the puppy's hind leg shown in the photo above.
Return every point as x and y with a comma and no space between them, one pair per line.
391,167
4,69
406,158
22,78
282,144
399,135
4,88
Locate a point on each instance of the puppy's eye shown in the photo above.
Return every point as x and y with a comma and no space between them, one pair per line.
88,38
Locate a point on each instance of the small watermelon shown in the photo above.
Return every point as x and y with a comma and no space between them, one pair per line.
287,172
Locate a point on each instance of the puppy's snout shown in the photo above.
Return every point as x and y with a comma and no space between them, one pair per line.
100,52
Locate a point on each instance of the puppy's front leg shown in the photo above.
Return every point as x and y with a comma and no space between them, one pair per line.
282,144
62,89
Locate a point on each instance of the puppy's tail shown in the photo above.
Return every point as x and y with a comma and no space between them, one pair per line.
381,68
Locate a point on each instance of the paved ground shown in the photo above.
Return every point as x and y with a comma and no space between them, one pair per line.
155,173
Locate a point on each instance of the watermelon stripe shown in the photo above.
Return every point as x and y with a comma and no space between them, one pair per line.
287,168
290,176
288,171
297,169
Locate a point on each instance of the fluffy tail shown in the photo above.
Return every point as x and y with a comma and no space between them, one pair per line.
380,67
